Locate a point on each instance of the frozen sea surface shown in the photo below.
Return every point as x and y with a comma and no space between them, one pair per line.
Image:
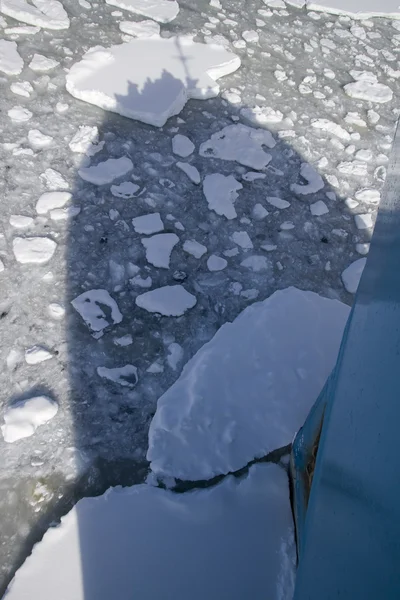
331,146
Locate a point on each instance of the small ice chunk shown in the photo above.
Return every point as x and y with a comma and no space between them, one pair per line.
148,224
242,239
63,214
125,340
216,263
352,275
159,248
255,263
368,195
39,140
37,354
373,117
126,376
84,139
314,181
250,36
253,176
362,248
278,202
156,367
23,418
259,212
50,200
22,30
142,282
190,171
19,114
221,192
369,91
286,226
21,88
20,221
364,221
194,248
2,267
56,310
106,171
42,64
319,208
331,127
88,305
11,62
37,250
262,115
54,180
240,143
169,301
140,29
126,190
175,355
182,145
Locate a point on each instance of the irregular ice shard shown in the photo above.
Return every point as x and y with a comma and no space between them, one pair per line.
150,79
88,305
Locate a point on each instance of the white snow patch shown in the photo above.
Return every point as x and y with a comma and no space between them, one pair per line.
240,143
125,532
276,355
126,190
242,239
169,301
88,305
194,248
19,114
182,145
56,310
190,171
154,89
106,171
49,14
42,64
50,200
148,224
140,29
314,181
319,208
11,62
21,88
37,250
125,376
216,263
162,11
39,140
175,355
23,418
159,248
255,263
37,354
352,275
221,192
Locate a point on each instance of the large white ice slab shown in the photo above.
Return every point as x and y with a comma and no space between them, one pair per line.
11,62
358,9
229,542
150,79
249,389
162,11
49,14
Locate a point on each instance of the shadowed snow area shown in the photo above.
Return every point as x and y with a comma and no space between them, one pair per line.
126,247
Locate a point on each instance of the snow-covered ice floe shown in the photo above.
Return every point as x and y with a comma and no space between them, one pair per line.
355,8
118,78
169,301
162,11
230,542
49,14
23,418
247,391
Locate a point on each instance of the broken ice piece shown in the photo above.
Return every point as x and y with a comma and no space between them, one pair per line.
88,305
23,418
126,376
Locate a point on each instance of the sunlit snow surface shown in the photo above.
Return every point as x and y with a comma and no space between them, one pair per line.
268,225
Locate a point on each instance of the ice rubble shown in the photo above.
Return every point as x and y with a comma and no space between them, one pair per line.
249,389
157,543
151,90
